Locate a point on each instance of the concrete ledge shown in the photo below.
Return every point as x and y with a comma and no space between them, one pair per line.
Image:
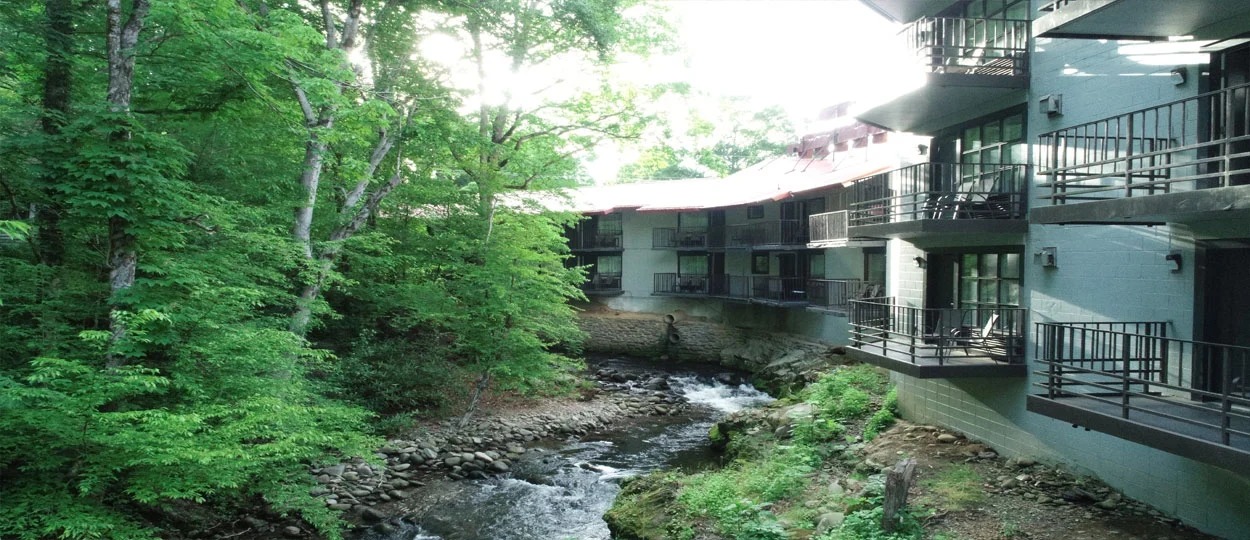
1225,457
936,227
934,371
1187,206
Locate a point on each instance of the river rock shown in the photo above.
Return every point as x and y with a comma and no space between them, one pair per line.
829,521
947,438
292,531
335,470
371,515
481,456
452,461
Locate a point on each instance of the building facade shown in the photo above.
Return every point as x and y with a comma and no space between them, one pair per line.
1051,269
1098,323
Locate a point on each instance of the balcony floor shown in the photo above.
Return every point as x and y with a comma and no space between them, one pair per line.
935,227
1146,427
927,364
1179,207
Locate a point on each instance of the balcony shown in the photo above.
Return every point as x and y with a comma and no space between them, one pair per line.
779,291
679,238
1131,381
581,239
967,64
774,234
836,294
721,286
938,343
1181,161
940,198
603,284
1142,19
829,230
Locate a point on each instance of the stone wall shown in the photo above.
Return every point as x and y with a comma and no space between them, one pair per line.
780,360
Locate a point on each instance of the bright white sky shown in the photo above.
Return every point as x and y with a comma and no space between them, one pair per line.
801,54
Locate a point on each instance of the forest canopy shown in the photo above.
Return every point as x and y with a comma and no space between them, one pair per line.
235,232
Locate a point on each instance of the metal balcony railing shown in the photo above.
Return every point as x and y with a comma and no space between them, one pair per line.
715,285
777,232
927,336
587,238
679,238
778,289
940,191
1134,371
1196,143
603,282
836,294
827,227
970,46
671,283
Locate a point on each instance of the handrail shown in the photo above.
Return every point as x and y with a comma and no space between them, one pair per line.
602,281
679,237
838,293
1194,143
1138,365
940,191
767,233
970,46
887,327
828,226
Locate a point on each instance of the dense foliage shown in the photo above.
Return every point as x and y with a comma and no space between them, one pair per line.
771,488
173,334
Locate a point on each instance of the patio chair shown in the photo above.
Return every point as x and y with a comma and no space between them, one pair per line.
971,336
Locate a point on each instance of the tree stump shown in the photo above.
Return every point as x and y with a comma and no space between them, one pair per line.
897,482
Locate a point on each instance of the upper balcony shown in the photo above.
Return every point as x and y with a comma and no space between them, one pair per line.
829,230
587,239
967,65
836,294
940,198
1186,160
684,238
1131,381
1142,19
938,343
773,234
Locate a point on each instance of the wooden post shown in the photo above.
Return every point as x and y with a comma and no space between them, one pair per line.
897,482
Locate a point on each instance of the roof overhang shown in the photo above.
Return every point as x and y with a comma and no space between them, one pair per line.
906,11
944,100
1145,19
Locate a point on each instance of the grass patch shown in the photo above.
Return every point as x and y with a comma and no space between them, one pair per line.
954,488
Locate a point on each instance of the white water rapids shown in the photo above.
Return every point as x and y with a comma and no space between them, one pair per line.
563,494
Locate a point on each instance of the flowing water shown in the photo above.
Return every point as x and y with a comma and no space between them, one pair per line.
563,492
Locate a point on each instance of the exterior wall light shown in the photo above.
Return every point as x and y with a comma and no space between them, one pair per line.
1178,75
1174,258
920,262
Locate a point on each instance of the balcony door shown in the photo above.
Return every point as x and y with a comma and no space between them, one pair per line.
1226,302
1233,119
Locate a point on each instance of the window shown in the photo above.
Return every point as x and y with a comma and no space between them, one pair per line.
759,263
692,220
989,280
608,264
609,224
692,265
755,211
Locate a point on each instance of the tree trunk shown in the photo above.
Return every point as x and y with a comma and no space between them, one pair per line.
57,82
123,254
897,483
483,383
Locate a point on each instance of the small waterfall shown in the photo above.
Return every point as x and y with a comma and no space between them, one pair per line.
563,494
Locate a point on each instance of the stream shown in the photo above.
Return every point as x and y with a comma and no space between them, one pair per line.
562,491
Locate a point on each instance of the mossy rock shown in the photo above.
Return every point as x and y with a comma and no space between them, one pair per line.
641,511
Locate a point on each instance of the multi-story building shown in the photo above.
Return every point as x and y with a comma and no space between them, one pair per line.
767,247
1055,274
1076,240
